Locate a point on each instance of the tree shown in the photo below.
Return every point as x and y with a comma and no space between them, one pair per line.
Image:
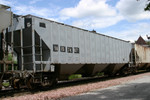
147,8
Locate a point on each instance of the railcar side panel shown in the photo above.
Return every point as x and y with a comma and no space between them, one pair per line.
71,45
142,54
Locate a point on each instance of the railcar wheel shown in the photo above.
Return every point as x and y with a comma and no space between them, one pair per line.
15,84
134,71
0,86
148,69
54,81
30,84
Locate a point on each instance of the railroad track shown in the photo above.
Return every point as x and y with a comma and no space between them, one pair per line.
61,84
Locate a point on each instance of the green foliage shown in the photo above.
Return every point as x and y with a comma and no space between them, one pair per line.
100,74
6,84
148,42
9,57
75,76
15,62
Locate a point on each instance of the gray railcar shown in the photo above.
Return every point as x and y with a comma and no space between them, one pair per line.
49,46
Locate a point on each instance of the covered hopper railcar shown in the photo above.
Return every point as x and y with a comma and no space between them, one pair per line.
49,50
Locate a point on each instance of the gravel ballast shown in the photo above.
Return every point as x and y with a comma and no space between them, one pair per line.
75,90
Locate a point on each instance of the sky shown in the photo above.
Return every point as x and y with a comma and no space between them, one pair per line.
123,19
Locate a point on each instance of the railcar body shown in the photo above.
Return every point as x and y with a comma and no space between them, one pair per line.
142,56
48,46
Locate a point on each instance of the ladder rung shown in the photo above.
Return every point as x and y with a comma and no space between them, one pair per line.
26,46
31,55
17,46
28,63
27,55
38,54
38,46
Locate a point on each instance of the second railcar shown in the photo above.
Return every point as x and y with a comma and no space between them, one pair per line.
142,56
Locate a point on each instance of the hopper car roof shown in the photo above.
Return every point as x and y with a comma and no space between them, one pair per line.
76,27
